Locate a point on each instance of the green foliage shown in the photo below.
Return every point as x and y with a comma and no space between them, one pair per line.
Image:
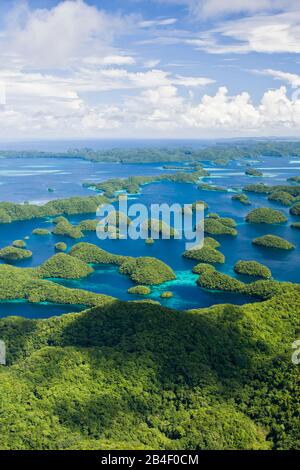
5,218
253,172
265,215
282,197
202,268
12,253
90,253
167,295
295,225
220,226
273,241
218,281
144,270
206,254
61,246
242,198
149,271
19,244
211,187
252,268
218,378
64,228
139,290
41,232
149,241
26,284
10,211
88,225
295,210
64,266
294,179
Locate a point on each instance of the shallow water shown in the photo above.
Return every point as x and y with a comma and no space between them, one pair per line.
107,280
34,311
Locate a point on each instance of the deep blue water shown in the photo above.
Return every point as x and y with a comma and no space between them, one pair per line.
107,280
43,310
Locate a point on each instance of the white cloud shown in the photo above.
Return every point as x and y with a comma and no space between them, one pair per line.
157,22
58,36
200,9
265,33
291,78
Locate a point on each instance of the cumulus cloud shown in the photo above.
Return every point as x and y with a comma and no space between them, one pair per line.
55,37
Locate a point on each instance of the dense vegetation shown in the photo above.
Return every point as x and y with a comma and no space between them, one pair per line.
133,184
273,241
253,172
147,271
10,211
221,378
64,266
219,226
61,246
265,215
242,198
41,232
252,268
13,254
139,290
66,229
19,244
144,270
207,254
295,210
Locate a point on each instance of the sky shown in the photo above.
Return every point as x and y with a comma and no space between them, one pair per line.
194,69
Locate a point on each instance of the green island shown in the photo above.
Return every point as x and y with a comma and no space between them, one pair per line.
66,229
295,225
261,289
211,187
265,215
11,212
61,246
206,254
253,172
13,253
41,232
19,244
64,266
273,241
220,226
295,210
242,198
139,290
166,295
294,179
283,197
133,184
252,268
220,154
89,225
144,270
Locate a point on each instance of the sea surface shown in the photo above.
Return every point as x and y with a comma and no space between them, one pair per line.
29,179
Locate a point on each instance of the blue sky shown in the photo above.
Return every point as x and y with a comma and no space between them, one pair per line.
155,68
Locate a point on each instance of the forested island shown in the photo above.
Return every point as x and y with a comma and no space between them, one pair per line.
220,153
